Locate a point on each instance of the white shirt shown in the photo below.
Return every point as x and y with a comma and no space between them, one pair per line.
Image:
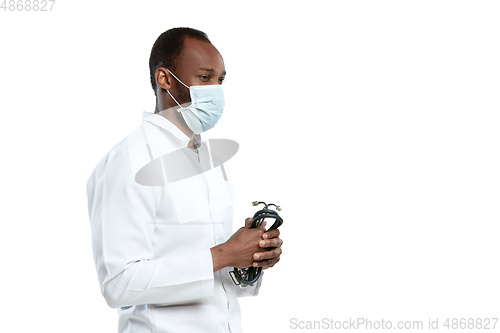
151,244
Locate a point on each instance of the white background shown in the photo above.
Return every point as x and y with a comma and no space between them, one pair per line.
374,124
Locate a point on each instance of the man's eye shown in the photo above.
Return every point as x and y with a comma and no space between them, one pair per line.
221,80
205,77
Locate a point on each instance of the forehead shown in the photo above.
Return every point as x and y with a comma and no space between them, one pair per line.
197,53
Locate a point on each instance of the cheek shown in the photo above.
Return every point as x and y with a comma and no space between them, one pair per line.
184,96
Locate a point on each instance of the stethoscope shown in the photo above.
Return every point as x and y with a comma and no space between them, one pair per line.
244,277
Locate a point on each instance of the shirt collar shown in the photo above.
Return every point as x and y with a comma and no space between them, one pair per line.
164,123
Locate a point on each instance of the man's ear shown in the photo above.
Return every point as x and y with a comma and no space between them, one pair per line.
163,78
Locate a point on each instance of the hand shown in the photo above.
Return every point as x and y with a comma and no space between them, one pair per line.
238,250
272,244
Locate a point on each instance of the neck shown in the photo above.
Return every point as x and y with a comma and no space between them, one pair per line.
176,118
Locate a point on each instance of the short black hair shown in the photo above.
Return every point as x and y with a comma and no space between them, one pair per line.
168,47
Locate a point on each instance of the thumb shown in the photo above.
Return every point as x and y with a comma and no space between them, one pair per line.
248,221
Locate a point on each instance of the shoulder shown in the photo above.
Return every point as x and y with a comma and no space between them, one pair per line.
120,153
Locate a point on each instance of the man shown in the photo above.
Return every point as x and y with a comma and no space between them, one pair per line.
162,243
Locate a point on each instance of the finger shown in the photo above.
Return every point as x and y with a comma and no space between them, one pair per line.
268,254
271,234
265,264
263,225
248,223
274,242
271,263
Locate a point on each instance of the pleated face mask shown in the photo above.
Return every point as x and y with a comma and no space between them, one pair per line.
207,104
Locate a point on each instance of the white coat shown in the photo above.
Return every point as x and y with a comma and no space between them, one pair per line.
151,244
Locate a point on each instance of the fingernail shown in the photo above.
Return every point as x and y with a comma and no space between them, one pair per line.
262,244
264,236
257,256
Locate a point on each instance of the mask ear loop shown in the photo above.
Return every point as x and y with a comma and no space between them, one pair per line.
168,91
176,78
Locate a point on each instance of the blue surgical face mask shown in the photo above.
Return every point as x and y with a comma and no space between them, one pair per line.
207,104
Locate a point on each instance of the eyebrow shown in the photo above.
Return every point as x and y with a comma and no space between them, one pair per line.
210,70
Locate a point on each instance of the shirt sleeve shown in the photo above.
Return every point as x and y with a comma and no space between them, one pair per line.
122,215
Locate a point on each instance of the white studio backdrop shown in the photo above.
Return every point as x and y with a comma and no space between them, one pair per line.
374,124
